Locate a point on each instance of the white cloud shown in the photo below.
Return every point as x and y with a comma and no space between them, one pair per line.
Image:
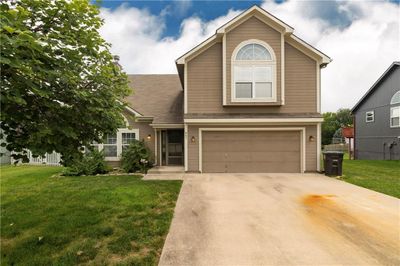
361,52
180,7
135,35
361,37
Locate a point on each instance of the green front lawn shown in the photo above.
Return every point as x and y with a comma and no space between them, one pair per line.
381,176
90,220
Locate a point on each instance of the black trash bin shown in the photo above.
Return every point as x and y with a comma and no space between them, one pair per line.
333,161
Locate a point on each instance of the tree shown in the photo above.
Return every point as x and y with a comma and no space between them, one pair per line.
344,117
334,121
60,87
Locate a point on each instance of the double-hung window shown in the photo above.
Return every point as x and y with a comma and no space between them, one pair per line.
369,116
127,138
110,145
114,144
395,116
253,74
395,110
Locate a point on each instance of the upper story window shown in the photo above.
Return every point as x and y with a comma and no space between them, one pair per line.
396,98
395,110
253,72
369,116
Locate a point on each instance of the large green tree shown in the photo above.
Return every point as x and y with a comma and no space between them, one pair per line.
60,87
333,121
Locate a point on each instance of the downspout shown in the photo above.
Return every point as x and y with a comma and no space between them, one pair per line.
384,151
390,149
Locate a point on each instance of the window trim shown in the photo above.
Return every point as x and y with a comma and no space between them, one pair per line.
254,63
390,115
395,98
119,144
369,113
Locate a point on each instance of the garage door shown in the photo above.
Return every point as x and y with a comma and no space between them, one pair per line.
251,152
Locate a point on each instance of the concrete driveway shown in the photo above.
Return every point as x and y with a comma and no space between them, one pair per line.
281,219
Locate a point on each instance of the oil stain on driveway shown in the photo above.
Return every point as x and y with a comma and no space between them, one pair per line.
281,219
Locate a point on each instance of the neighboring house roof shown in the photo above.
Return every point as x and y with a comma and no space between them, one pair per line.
157,96
268,19
376,85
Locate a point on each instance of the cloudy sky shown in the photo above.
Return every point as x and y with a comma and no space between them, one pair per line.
362,37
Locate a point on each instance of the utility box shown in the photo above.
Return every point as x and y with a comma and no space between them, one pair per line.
333,162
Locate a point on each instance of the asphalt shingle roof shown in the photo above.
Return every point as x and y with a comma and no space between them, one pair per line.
159,96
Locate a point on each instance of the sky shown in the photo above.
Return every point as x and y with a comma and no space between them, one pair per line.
362,37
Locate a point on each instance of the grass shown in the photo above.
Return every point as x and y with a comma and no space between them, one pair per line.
47,220
381,176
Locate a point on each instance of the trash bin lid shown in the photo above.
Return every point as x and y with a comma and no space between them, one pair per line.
333,152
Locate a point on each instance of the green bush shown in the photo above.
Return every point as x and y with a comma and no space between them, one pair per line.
136,157
91,163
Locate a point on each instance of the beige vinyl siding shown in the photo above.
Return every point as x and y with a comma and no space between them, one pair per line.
193,149
300,82
204,81
144,130
205,84
252,28
311,146
311,149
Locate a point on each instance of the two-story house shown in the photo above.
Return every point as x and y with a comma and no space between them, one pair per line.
377,119
248,99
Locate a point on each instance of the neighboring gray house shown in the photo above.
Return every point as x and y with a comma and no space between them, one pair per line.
377,119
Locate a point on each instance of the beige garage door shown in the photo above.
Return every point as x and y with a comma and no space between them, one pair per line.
251,152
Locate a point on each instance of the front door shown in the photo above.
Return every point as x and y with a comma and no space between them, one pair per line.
172,147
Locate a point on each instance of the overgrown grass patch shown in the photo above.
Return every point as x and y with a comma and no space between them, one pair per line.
79,220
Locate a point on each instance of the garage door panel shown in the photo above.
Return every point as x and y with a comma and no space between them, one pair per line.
275,156
238,156
251,151
274,147
254,167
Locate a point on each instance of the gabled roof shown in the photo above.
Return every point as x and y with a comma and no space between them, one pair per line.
157,96
375,85
266,17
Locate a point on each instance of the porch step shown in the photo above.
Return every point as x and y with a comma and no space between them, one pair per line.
166,170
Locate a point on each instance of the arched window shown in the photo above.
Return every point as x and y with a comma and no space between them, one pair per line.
395,110
253,72
396,98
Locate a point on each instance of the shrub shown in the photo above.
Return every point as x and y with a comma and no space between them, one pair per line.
91,163
136,157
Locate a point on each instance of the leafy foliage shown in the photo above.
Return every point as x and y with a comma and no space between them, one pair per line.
334,121
59,84
136,157
92,163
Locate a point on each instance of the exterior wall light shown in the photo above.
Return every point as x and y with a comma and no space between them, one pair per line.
311,138
193,139
149,137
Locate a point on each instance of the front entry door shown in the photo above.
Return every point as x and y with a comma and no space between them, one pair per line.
172,147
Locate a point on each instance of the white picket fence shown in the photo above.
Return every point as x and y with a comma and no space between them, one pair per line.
48,159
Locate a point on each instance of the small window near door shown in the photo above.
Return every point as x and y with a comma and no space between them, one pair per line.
369,116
